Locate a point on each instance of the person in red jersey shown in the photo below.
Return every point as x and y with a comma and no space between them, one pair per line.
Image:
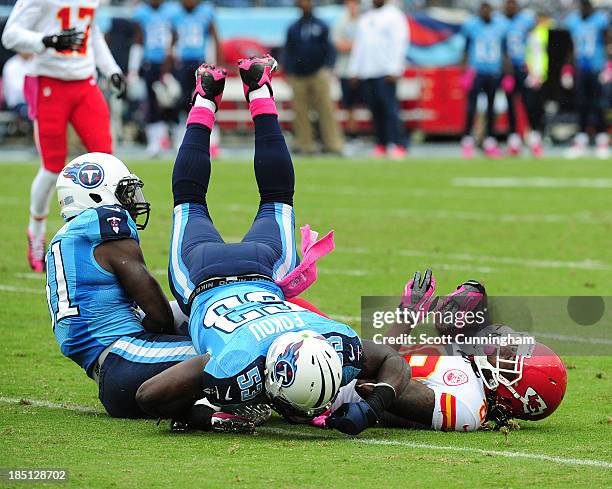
62,88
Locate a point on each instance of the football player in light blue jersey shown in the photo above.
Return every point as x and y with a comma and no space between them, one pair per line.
109,315
591,39
485,50
520,24
194,24
151,58
254,346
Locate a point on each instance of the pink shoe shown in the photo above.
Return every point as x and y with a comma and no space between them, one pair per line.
467,149
537,150
257,72
379,151
210,83
214,150
398,153
36,253
491,149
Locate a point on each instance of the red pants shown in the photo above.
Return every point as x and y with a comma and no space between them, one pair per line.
79,102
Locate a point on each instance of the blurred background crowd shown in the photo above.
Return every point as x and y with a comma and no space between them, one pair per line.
504,76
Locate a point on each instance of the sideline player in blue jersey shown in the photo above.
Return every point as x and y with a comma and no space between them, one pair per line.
484,60
97,280
253,345
591,39
194,24
151,58
520,24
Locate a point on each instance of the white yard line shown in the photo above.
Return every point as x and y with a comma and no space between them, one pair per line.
21,290
531,182
586,264
363,441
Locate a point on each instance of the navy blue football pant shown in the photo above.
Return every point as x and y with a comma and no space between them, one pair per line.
532,101
381,97
197,250
591,101
487,84
133,360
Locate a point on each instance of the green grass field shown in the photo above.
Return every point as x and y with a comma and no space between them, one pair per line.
390,219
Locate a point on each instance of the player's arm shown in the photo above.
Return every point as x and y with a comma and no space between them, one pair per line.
391,376
124,258
19,33
136,53
106,63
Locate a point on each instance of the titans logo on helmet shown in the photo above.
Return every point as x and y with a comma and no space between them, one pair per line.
87,175
286,364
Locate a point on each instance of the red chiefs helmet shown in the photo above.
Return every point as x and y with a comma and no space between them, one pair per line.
539,390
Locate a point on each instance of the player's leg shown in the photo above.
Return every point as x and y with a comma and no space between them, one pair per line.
330,128
91,118
302,126
467,142
599,101
491,84
53,106
581,139
131,361
192,225
274,223
372,95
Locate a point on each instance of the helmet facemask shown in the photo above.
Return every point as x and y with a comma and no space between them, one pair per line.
130,196
503,366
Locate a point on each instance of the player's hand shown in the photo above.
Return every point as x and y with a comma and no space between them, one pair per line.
352,418
118,83
68,39
418,293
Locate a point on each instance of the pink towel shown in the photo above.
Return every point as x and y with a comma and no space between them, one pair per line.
30,94
305,274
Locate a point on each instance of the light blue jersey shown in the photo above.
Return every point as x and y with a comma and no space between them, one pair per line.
192,31
156,25
519,28
89,308
237,323
588,36
486,43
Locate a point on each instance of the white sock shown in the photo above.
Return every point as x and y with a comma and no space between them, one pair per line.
261,92
467,141
514,140
204,102
41,192
535,138
581,139
490,142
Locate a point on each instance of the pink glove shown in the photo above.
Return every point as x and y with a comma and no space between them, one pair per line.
467,79
508,83
606,75
319,421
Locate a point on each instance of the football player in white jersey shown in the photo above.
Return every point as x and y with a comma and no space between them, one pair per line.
61,88
454,391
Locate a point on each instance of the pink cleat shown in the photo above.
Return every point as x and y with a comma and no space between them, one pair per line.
210,83
398,153
537,150
491,149
257,72
36,253
380,151
467,148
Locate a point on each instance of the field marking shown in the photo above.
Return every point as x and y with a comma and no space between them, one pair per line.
431,446
20,290
531,182
586,264
364,441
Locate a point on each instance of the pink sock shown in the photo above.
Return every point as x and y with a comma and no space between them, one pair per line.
262,106
201,115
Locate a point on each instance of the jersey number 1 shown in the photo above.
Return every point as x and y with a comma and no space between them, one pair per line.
64,16
64,307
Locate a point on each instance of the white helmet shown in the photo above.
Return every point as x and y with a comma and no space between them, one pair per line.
96,179
303,374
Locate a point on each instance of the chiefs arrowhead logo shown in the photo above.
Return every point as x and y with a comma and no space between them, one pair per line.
533,404
455,377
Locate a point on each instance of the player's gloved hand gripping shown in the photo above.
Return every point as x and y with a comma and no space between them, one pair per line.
65,40
119,84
